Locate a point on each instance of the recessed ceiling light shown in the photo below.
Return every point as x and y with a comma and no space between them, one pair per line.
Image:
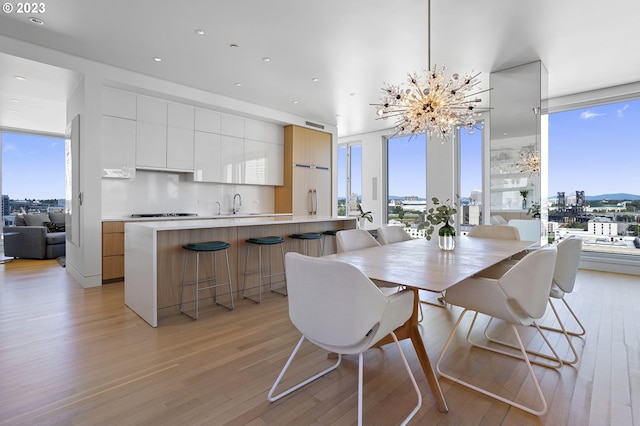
352,94
315,79
21,78
15,100
157,59
295,102
200,31
266,59
36,21
238,84
233,45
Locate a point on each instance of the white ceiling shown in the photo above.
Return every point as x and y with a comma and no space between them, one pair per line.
351,46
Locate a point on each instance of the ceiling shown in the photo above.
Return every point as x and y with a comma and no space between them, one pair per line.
350,47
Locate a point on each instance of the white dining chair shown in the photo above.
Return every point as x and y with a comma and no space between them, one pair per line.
354,239
336,307
389,234
519,297
500,232
564,277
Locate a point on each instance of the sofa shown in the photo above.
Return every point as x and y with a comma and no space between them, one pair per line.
36,236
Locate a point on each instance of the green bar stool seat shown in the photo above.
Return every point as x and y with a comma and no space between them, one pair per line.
305,238
264,270
212,247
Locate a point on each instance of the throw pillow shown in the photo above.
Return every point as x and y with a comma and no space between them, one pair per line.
57,217
54,227
36,219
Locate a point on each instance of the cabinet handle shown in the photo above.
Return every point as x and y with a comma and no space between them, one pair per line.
310,202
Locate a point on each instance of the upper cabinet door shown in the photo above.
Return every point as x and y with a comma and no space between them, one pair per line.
207,157
118,147
232,159
207,120
179,148
232,126
151,145
118,103
179,115
152,110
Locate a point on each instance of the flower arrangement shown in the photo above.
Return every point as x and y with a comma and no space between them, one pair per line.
440,213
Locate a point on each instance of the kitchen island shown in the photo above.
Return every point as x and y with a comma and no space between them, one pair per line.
154,254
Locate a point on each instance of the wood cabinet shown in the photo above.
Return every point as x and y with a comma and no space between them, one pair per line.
307,173
112,251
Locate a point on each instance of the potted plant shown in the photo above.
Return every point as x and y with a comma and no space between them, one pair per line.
534,210
523,194
441,213
362,216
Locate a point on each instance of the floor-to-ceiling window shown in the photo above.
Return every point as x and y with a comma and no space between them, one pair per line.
469,182
594,188
349,177
407,181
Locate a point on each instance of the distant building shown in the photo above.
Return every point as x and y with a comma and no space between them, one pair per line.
602,226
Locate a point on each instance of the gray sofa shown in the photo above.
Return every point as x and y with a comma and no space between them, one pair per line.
36,236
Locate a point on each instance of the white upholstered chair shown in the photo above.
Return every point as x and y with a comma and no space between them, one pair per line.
336,307
499,232
564,278
354,239
389,234
519,297
530,230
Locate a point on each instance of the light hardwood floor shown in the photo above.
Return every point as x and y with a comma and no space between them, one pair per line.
79,356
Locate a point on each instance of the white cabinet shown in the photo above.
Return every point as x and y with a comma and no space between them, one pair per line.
207,120
165,135
263,163
118,134
231,159
207,157
118,147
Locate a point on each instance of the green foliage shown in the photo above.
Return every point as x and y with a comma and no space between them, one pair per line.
440,213
366,215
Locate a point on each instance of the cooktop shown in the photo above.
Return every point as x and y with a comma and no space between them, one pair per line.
163,214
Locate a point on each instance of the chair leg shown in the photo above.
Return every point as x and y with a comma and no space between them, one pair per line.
582,331
556,358
540,354
271,397
540,412
413,381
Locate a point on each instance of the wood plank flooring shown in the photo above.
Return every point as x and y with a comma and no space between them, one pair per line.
73,356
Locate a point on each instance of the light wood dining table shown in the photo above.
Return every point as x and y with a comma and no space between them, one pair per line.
421,265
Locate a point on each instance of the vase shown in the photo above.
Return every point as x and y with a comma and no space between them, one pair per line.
524,204
447,237
361,222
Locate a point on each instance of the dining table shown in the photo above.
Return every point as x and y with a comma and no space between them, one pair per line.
420,264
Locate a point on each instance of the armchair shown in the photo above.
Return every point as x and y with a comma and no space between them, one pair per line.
337,308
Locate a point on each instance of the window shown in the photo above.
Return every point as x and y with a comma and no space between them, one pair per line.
593,191
470,176
349,178
33,174
407,181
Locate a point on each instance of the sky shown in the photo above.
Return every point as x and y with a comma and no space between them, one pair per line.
32,167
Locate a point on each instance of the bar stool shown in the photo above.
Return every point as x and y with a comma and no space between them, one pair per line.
308,236
197,248
330,233
263,271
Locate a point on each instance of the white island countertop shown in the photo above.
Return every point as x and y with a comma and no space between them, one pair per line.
130,218
173,225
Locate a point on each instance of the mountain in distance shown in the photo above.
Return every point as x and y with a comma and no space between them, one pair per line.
617,197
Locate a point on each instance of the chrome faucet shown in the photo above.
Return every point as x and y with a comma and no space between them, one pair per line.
218,203
237,209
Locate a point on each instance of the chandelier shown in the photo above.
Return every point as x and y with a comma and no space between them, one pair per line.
529,162
432,104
